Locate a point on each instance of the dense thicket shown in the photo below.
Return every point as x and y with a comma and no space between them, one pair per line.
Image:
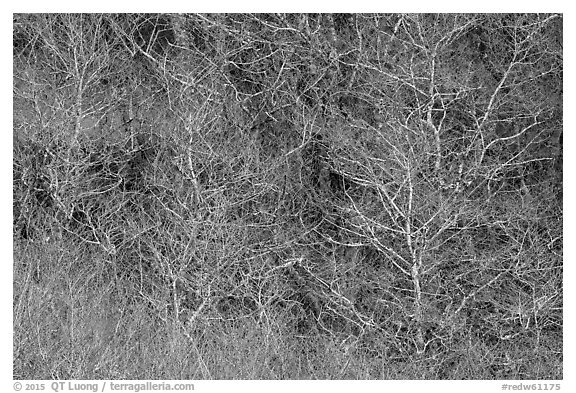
392,180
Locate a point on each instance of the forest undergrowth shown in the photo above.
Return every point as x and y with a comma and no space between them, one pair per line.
287,196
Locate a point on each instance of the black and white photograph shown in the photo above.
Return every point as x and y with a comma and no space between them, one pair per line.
287,196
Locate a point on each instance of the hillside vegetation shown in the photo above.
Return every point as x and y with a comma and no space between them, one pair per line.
287,196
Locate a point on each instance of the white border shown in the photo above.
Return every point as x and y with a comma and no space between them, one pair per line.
299,6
